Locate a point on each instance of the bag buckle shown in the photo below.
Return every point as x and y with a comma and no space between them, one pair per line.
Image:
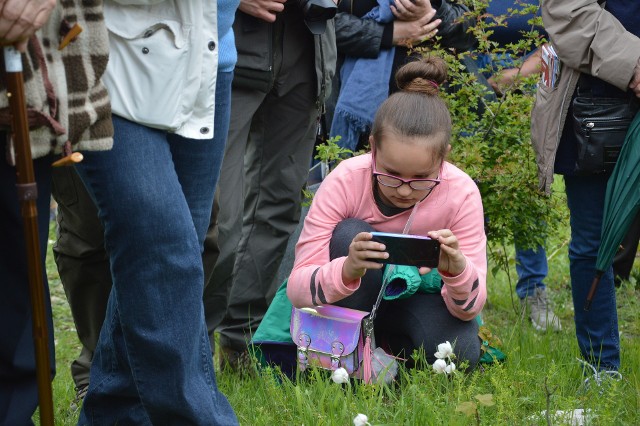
337,349
304,341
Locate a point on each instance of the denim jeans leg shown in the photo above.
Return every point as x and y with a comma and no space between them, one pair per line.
152,363
199,169
596,329
532,269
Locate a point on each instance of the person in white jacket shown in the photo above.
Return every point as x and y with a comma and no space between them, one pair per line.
154,192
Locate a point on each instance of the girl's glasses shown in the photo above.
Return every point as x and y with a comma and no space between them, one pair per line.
391,181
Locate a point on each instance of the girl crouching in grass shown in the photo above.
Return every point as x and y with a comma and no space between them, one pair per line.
405,185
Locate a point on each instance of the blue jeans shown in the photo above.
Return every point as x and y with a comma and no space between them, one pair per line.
597,329
532,269
154,192
18,384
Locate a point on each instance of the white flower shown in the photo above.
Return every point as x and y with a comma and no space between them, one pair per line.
340,376
444,350
439,366
450,368
361,420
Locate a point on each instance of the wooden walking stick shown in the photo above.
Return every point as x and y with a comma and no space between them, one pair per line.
28,194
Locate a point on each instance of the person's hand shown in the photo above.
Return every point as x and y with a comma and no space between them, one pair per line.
361,249
452,261
262,9
503,80
414,32
408,10
20,19
506,78
635,81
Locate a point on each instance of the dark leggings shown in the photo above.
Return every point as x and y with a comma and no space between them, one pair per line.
421,321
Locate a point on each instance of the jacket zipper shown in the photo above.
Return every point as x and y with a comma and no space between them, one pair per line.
319,103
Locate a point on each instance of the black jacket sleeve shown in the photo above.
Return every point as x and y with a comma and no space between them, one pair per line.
454,26
360,37
365,38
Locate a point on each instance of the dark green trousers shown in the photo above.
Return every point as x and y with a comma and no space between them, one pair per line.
83,264
271,138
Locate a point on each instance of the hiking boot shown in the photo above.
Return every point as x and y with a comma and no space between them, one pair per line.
235,361
601,379
81,392
540,313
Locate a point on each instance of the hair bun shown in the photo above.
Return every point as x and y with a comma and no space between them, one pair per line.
422,76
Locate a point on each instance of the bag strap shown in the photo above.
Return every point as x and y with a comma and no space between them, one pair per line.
385,282
367,323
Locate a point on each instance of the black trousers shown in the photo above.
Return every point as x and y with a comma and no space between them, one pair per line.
18,383
623,260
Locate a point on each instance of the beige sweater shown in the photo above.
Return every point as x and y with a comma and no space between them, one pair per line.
77,108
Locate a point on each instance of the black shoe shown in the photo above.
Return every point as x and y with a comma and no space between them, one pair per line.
233,361
81,392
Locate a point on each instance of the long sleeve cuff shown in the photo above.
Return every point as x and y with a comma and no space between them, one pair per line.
387,36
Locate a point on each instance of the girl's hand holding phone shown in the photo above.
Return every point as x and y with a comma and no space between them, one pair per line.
452,261
361,250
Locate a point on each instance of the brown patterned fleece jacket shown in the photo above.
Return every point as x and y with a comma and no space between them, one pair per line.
67,104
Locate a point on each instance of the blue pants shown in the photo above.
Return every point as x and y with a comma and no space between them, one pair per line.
18,383
153,364
597,329
532,269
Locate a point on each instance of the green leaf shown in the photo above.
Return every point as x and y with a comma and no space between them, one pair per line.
485,399
468,408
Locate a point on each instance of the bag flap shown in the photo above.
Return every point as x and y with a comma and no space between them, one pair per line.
328,329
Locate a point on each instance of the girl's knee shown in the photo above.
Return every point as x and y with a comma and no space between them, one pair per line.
344,233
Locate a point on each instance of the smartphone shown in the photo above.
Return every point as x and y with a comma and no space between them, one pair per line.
404,249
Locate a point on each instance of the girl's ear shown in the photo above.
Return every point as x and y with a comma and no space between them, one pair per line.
448,148
371,143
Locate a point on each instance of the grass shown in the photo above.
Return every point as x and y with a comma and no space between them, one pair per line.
541,372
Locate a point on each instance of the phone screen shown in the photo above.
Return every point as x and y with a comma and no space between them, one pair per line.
413,250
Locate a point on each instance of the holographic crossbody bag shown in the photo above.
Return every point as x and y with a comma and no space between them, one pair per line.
329,337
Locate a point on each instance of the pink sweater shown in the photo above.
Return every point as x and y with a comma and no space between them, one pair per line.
347,192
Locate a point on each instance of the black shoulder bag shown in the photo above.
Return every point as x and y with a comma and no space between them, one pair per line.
600,125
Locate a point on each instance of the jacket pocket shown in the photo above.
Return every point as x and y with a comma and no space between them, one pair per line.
254,43
150,71
545,119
